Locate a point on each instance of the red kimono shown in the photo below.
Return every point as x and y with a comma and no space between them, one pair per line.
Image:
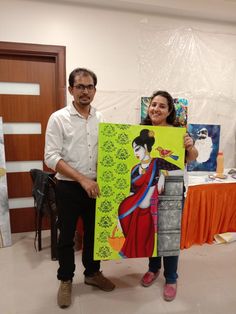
139,225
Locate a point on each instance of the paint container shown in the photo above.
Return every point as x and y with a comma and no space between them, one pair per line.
220,165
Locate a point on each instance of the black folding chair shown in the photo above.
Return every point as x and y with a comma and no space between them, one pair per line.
43,192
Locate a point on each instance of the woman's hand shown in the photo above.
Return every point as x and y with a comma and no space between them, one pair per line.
188,142
161,183
118,226
191,151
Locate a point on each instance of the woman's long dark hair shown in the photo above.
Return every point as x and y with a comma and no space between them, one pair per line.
172,116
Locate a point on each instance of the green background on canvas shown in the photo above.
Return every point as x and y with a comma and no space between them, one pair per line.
115,161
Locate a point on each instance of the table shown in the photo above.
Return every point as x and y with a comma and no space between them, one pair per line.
209,209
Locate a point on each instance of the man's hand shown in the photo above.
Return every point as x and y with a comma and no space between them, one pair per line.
90,186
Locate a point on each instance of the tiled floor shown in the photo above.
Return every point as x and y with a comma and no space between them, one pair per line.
28,284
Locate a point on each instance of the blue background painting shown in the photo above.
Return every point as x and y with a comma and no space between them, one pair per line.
204,135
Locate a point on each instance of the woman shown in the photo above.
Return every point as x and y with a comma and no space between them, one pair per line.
161,112
138,212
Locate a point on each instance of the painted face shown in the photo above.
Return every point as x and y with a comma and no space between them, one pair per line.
83,90
139,151
158,110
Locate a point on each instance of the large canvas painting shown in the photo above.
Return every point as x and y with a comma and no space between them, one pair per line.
5,232
207,139
133,161
181,107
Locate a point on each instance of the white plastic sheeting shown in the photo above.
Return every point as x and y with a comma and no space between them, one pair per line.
199,66
118,106
188,63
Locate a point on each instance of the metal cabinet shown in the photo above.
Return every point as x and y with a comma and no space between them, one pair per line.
170,205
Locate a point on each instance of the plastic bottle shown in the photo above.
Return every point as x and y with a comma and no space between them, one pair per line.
220,165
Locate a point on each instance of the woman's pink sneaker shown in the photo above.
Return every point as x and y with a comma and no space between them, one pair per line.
149,278
170,290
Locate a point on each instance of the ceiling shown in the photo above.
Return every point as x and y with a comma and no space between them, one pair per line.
218,10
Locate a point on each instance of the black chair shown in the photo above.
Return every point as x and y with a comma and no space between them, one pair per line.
43,192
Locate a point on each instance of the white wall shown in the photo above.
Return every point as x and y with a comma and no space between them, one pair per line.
134,54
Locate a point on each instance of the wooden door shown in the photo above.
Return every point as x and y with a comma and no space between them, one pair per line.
43,66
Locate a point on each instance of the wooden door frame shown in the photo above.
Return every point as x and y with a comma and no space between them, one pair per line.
39,50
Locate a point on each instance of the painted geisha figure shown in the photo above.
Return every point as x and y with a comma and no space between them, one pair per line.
138,212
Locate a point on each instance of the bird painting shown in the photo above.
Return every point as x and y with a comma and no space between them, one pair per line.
166,153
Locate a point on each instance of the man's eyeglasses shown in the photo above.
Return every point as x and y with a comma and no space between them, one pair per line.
82,87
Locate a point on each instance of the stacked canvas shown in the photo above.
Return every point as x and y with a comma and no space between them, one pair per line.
5,231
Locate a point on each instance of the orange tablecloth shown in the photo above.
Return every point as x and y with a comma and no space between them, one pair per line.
208,210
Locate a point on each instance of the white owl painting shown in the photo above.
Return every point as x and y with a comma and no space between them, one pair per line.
207,138
204,145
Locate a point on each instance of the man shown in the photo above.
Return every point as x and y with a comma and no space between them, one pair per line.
71,150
